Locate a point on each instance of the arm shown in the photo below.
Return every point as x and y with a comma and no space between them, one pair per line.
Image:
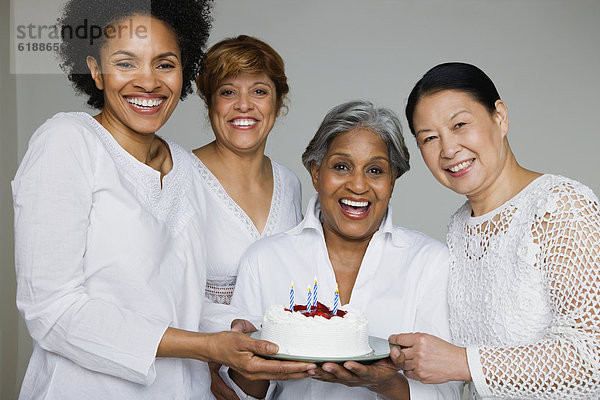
434,366
431,315
53,199
223,379
219,385
432,360
247,299
565,363
52,194
381,377
233,349
254,389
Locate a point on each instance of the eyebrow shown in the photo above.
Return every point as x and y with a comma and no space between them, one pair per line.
167,54
262,83
123,53
253,84
132,55
456,113
371,159
449,119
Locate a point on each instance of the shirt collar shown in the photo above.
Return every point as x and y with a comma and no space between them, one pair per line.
312,220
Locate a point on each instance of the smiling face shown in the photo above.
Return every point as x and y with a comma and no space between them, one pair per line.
462,144
140,76
243,111
355,182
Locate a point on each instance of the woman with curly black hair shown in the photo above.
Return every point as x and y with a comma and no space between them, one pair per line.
107,229
106,19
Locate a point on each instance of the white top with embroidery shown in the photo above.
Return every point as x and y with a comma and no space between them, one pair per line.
232,231
105,254
524,293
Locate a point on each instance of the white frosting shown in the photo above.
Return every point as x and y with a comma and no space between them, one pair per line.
298,335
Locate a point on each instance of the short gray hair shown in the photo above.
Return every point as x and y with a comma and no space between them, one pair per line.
354,115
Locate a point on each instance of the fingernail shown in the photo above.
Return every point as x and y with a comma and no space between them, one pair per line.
312,373
327,368
272,348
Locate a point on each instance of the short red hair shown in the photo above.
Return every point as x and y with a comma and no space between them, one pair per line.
242,54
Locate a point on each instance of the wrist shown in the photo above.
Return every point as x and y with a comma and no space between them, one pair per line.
395,388
257,389
179,343
464,372
206,348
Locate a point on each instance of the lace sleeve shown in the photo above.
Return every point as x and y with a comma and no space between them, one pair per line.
566,363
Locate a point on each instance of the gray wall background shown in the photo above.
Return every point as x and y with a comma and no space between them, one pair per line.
543,56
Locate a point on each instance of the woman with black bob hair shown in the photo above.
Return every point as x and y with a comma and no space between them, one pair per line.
524,288
108,231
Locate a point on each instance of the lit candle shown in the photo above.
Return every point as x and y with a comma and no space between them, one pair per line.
292,297
336,299
308,300
315,293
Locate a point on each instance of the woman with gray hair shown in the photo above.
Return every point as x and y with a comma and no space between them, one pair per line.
354,115
395,276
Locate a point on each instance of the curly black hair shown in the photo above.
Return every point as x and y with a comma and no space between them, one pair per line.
190,19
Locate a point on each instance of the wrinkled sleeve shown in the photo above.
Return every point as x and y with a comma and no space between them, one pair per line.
52,195
247,300
247,297
432,318
565,364
217,317
297,193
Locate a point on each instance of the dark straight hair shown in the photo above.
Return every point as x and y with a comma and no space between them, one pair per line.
457,76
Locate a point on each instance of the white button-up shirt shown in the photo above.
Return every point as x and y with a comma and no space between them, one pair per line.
401,287
105,260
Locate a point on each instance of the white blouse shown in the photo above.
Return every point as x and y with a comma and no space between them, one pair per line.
232,231
524,293
401,287
101,256
229,233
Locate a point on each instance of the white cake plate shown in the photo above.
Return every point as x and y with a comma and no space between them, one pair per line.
381,349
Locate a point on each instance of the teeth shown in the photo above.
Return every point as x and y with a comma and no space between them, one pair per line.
243,122
461,166
144,102
354,203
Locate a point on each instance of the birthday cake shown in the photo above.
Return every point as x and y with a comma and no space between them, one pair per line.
317,332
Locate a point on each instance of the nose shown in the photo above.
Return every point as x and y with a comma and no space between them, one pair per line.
146,79
357,182
243,102
450,146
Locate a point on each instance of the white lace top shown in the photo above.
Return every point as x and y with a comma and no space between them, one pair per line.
232,231
524,293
